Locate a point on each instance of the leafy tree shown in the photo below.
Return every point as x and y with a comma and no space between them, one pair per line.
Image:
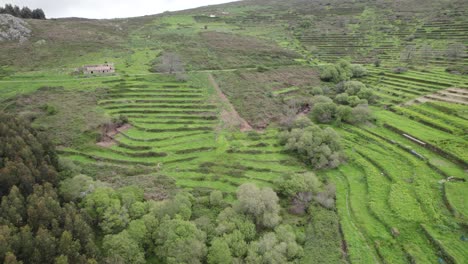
353,87
324,112
237,244
342,98
12,209
181,205
114,219
219,252
292,184
38,14
76,188
216,198
278,247
358,70
343,113
26,12
9,9
180,241
121,248
319,147
360,114
16,11
336,73
229,221
260,203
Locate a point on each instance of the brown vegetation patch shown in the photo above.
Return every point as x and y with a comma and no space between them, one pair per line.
109,132
251,93
450,95
69,117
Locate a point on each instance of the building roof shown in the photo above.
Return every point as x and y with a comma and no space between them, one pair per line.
98,68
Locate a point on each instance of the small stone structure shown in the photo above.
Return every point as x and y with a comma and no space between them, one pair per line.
98,69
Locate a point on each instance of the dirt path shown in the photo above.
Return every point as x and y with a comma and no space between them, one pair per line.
229,115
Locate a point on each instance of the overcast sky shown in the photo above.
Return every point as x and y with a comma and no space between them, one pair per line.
109,8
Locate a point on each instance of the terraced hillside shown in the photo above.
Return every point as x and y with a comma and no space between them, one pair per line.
400,196
174,130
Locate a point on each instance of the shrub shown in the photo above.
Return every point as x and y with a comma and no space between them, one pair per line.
399,70
358,70
49,109
353,100
319,147
342,98
377,63
317,91
292,184
324,112
353,87
360,114
262,68
337,72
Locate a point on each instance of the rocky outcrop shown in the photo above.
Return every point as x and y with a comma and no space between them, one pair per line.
13,29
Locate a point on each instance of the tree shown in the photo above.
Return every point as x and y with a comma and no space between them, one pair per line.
358,70
121,248
360,114
180,241
169,62
237,243
343,113
13,208
425,54
455,51
181,205
342,98
336,73
216,198
291,184
260,203
16,11
324,112
38,14
353,87
230,221
320,148
76,188
26,12
278,247
408,54
219,252
9,9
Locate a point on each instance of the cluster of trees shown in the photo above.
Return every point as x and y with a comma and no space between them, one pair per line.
186,229
318,147
346,101
24,12
342,71
35,225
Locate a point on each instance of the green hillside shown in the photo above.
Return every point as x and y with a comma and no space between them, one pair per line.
370,96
